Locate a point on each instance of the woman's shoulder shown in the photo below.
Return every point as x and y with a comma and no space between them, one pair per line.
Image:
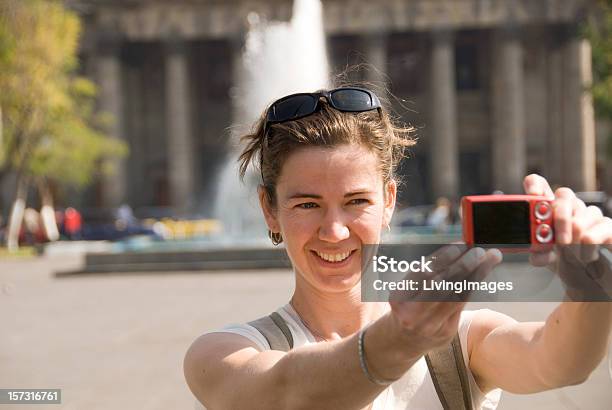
211,347
246,330
205,362
237,331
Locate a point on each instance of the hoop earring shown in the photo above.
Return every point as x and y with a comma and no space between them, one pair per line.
275,237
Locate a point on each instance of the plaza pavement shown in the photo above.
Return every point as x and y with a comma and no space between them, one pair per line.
116,341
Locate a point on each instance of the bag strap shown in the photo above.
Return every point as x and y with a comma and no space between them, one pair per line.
446,365
449,375
275,330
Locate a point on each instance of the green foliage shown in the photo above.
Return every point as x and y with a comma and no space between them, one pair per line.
599,32
50,127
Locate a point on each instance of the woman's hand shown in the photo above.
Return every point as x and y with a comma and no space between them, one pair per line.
579,232
428,319
574,222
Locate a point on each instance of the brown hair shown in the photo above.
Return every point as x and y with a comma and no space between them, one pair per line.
328,127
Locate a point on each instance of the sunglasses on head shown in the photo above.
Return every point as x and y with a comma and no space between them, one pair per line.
345,99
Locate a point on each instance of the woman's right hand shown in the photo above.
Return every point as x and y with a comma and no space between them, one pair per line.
427,320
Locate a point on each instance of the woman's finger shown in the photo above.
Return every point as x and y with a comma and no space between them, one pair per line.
455,270
473,268
443,257
563,213
492,258
465,265
583,220
598,234
535,184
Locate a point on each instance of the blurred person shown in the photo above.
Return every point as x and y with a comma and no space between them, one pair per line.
72,223
439,217
125,218
328,162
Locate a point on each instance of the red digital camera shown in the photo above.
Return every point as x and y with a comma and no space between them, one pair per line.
511,222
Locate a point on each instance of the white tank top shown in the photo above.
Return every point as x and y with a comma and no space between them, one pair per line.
414,391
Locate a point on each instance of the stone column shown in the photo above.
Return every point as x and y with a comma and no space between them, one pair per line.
443,144
107,65
554,141
578,117
179,127
375,49
508,134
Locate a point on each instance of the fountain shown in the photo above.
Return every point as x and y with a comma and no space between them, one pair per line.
278,59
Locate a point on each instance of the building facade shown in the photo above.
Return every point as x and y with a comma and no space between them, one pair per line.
496,89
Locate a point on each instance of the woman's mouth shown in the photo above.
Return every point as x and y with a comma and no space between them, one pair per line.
336,259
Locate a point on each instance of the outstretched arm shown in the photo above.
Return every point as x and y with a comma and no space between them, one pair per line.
531,357
564,350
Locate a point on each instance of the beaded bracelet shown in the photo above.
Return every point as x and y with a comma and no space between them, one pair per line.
364,366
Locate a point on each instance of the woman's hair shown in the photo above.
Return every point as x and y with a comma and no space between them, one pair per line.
328,127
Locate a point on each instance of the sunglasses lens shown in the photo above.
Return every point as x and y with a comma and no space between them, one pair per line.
293,107
352,100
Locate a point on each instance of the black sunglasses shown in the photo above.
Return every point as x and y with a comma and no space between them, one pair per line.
346,99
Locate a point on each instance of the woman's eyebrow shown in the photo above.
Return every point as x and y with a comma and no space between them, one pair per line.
359,192
304,195
316,196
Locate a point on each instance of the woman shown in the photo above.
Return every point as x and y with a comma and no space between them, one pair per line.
327,161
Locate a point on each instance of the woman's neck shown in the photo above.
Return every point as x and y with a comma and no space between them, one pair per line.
333,315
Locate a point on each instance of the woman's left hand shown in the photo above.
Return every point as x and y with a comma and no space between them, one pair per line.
577,227
574,222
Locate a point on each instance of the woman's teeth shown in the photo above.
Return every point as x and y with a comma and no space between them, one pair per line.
337,257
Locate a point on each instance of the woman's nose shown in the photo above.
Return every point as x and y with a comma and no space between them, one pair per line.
333,230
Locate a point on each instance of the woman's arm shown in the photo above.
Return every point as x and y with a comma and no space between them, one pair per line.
536,356
226,371
531,357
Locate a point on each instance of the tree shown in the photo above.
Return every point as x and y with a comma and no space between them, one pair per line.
599,32
49,127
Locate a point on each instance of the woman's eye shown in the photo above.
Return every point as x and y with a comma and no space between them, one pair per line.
358,201
307,205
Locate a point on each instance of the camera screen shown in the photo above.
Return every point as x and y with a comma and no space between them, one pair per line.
501,222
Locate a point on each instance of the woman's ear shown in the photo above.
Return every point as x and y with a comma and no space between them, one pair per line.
268,209
390,195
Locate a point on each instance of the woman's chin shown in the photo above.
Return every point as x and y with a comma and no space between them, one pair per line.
337,281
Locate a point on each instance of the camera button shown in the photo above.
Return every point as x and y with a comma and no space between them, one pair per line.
543,210
544,233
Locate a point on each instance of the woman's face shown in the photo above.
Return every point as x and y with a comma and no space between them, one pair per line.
330,203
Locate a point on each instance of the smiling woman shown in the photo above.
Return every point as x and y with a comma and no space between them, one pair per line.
328,161
326,214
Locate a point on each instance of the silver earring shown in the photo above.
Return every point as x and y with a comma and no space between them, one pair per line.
275,237
388,228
